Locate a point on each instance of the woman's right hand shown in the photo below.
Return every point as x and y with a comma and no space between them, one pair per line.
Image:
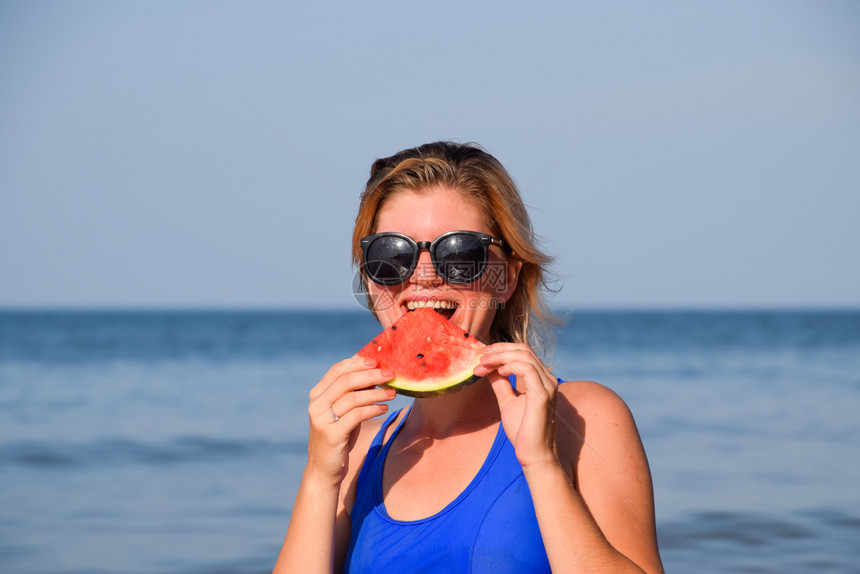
345,397
319,526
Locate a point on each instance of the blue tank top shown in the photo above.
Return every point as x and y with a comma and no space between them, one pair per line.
489,528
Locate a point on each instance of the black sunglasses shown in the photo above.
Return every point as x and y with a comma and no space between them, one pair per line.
457,256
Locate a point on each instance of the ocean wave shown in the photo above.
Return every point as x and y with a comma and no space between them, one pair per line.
121,451
819,540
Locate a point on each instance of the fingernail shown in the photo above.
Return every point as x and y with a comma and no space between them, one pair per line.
488,349
369,361
387,373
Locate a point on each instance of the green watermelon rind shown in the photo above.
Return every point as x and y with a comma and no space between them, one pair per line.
436,389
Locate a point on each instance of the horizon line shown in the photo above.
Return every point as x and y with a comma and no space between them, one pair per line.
565,308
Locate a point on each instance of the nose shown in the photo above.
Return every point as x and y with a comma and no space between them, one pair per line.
424,271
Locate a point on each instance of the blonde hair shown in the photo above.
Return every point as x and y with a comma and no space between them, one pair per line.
480,177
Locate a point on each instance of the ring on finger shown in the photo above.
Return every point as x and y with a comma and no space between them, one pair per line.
334,417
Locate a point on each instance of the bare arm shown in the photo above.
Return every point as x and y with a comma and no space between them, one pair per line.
604,521
318,533
310,543
584,463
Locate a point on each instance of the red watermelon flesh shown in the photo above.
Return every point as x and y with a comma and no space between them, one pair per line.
429,355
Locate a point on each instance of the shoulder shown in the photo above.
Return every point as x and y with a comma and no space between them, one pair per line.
596,430
588,391
594,402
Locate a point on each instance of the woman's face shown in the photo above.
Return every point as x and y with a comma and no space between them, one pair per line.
424,216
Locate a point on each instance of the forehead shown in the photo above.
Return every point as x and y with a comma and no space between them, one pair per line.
426,214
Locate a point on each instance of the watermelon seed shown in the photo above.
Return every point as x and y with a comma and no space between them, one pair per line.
394,327
420,356
379,348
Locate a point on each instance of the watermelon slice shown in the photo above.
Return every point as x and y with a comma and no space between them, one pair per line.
429,355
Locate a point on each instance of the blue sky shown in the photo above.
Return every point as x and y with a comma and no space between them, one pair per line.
210,154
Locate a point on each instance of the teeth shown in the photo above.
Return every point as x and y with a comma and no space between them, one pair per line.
433,303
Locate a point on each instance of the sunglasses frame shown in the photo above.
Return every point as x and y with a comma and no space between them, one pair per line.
417,246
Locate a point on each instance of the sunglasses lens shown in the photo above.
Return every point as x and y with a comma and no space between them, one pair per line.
389,260
460,258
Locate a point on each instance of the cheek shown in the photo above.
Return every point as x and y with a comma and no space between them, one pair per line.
381,301
495,283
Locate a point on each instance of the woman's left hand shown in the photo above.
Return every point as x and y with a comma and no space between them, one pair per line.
528,412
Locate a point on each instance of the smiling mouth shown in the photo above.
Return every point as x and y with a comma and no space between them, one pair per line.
443,307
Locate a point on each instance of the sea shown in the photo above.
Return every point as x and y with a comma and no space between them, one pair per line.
172,442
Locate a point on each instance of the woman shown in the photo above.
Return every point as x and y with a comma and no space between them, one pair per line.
515,473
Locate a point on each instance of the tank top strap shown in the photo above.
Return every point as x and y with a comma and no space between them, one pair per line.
376,446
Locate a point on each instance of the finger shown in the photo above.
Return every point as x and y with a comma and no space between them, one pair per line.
506,352
350,380
339,369
344,390
500,348
504,356
358,415
528,378
495,356
502,388
524,374
361,398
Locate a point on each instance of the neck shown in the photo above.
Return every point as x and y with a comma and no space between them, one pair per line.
467,410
